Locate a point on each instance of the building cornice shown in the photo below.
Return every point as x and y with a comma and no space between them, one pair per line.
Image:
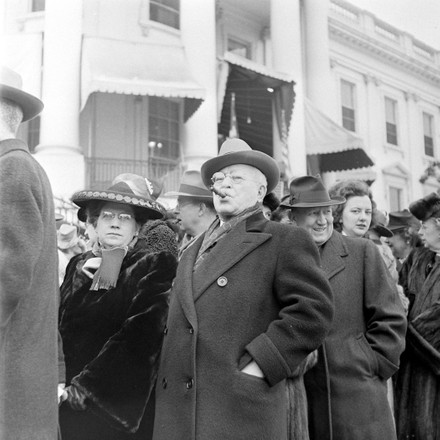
358,40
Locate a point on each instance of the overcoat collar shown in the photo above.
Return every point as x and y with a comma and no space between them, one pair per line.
240,241
12,144
333,253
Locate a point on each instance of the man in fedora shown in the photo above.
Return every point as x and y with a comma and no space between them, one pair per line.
249,303
347,389
195,209
28,277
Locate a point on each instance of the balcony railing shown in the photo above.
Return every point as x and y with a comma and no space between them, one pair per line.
101,171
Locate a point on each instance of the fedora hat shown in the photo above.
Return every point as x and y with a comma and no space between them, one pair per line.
192,185
11,88
401,220
128,189
67,236
236,151
379,224
309,192
426,207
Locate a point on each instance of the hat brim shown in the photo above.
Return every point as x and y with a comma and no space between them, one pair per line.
30,105
382,231
68,244
332,202
154,209
253,158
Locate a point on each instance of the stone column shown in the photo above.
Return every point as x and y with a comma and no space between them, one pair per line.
199,39
59,151
320,88
285,25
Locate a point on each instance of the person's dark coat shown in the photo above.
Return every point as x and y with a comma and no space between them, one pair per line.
258,294
417,385
112,340
347,390
28,298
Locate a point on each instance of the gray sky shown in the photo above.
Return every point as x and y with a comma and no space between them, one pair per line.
420,18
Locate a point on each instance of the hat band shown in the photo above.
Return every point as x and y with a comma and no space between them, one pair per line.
312,197
194,190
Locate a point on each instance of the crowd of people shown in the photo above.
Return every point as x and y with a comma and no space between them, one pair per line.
239,314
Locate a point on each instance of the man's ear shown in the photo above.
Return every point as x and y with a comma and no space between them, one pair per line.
262,190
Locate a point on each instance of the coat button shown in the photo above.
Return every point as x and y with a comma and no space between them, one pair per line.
222,281
191,330
190,384
164,383
165,330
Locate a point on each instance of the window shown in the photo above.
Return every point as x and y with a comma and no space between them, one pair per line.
428,135
395,198
38,5
348,105
166,12
163,128
239,47
390,119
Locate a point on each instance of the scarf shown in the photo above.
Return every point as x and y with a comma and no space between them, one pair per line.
106,277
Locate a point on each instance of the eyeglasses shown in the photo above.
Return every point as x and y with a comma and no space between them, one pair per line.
109,216
219,178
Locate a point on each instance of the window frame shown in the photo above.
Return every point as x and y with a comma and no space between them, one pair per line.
425,136
391,127
348,120
157,7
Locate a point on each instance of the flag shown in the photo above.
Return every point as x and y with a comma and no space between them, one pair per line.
233,128
284,144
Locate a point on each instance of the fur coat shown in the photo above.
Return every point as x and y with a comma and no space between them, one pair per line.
417,387
112,339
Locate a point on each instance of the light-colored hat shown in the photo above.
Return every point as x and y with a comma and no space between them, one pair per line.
128,189
309,192
11,88
67,236
192,185
236,151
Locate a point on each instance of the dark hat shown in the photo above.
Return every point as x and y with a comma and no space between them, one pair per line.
379,224
11,88
424,208
236,151
401,220
129,189
271,201
309,192
192,185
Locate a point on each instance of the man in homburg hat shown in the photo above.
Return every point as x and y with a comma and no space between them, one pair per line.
28,277
195,209
347,389
249,303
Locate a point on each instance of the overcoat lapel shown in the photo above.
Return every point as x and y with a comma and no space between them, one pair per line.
240,241
12,144
332,255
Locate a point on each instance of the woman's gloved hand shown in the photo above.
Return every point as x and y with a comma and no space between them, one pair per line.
76,398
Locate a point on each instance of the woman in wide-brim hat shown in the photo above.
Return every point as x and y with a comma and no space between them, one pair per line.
347,389
417,384
113,308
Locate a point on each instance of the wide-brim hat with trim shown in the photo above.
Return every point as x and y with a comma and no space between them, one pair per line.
192,185
11,88
426,207
309,192
130,189
236,151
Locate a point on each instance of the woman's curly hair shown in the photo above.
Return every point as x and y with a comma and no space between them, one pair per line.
347,189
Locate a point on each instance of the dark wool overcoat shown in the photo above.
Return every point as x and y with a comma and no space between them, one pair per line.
112,340
417,387
347,390
28,298
259,293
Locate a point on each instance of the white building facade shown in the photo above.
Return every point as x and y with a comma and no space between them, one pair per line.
151,87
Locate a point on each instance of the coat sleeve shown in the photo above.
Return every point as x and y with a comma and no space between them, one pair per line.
119,381
424,337
306,312
21,230
385,316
